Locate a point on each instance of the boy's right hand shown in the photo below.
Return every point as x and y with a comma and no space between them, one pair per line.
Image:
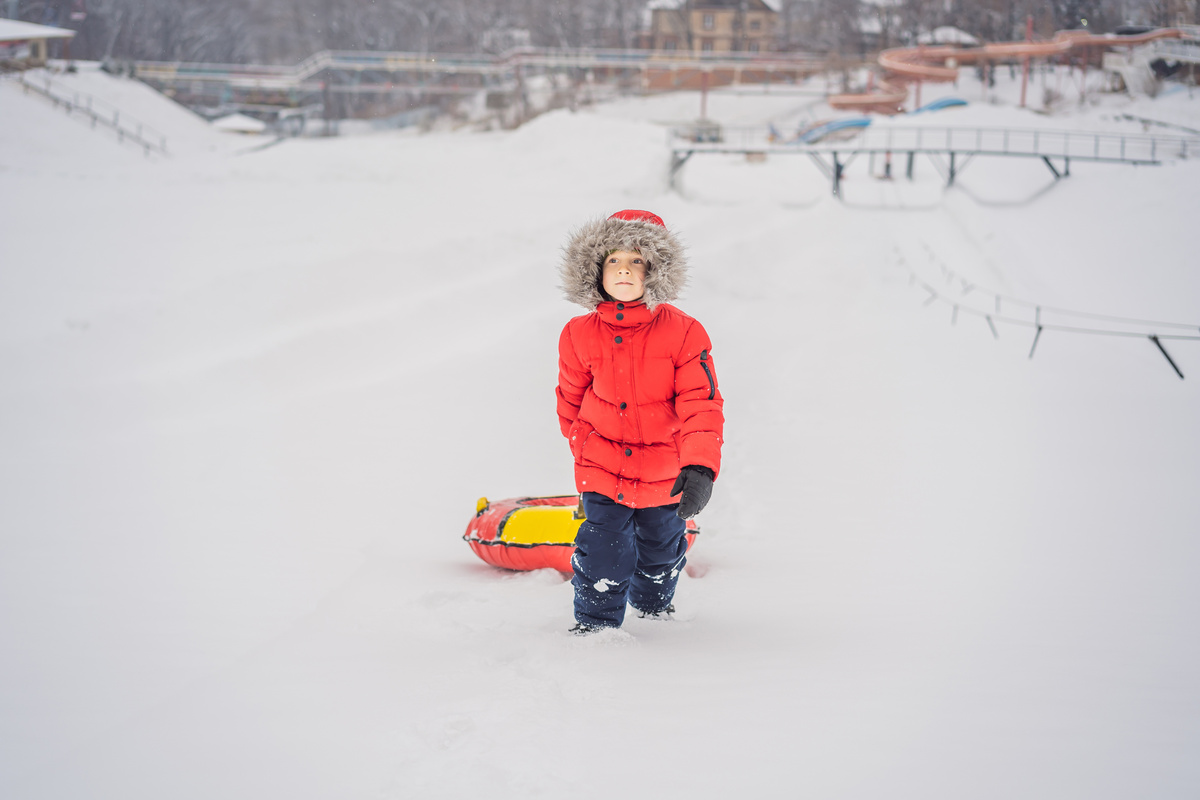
694,484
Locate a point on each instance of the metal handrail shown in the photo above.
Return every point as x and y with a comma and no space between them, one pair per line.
460,62
1179,49
99,112
1082,145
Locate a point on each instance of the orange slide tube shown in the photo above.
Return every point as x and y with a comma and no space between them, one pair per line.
940,63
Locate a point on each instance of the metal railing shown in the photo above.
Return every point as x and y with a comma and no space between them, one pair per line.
1080,145
451,63
966,298
1186,50
98,112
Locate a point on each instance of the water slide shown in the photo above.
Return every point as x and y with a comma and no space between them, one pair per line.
818,131
940,63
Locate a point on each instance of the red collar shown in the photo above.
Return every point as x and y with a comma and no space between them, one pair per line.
624,315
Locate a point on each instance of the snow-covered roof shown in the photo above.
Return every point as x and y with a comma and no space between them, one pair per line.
13,30
239,123
947,35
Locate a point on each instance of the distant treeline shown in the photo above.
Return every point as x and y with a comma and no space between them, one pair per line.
286,31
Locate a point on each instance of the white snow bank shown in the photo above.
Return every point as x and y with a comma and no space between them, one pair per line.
249,404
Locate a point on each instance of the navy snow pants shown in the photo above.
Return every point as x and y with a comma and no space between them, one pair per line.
625,555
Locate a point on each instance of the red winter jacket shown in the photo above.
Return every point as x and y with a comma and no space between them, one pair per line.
638,400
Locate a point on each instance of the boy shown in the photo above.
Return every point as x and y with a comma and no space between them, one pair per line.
638,401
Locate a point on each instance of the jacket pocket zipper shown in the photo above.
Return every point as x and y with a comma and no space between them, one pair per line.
712,386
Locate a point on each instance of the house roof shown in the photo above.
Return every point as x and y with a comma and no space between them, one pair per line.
239,123
947,35
12,30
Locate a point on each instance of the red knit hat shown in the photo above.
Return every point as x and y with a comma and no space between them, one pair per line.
633,215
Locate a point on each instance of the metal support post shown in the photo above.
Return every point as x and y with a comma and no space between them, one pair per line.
1166,355
908,172
1036,336
1025,60
677,162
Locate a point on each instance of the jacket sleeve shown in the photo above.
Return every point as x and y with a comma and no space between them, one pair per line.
698,402
573,380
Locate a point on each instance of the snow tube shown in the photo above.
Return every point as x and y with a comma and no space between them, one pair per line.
525,533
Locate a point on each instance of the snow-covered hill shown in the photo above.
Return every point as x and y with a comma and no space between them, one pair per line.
249,402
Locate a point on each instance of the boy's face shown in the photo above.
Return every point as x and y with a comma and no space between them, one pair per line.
624,276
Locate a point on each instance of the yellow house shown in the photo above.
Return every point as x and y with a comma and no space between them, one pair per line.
24,44
713,26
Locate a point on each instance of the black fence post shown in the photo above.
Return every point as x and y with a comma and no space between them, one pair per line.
1036,336
1166,355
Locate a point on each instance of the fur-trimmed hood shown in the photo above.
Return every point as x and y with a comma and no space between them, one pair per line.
585,251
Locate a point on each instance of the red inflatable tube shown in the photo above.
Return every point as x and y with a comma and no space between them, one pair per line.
526,533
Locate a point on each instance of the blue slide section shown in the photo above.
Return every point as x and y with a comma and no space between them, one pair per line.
938,105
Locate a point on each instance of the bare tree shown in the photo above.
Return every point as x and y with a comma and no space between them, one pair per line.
287,31
839,29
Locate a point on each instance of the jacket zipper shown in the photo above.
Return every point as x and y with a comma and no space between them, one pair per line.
712,386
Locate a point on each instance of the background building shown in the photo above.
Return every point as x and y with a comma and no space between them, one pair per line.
24,44
714,26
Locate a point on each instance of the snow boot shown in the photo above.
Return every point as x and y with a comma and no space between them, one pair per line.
664,615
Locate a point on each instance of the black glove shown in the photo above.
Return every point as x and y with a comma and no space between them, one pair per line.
696,485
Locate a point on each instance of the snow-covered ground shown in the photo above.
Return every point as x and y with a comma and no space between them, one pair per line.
249,400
